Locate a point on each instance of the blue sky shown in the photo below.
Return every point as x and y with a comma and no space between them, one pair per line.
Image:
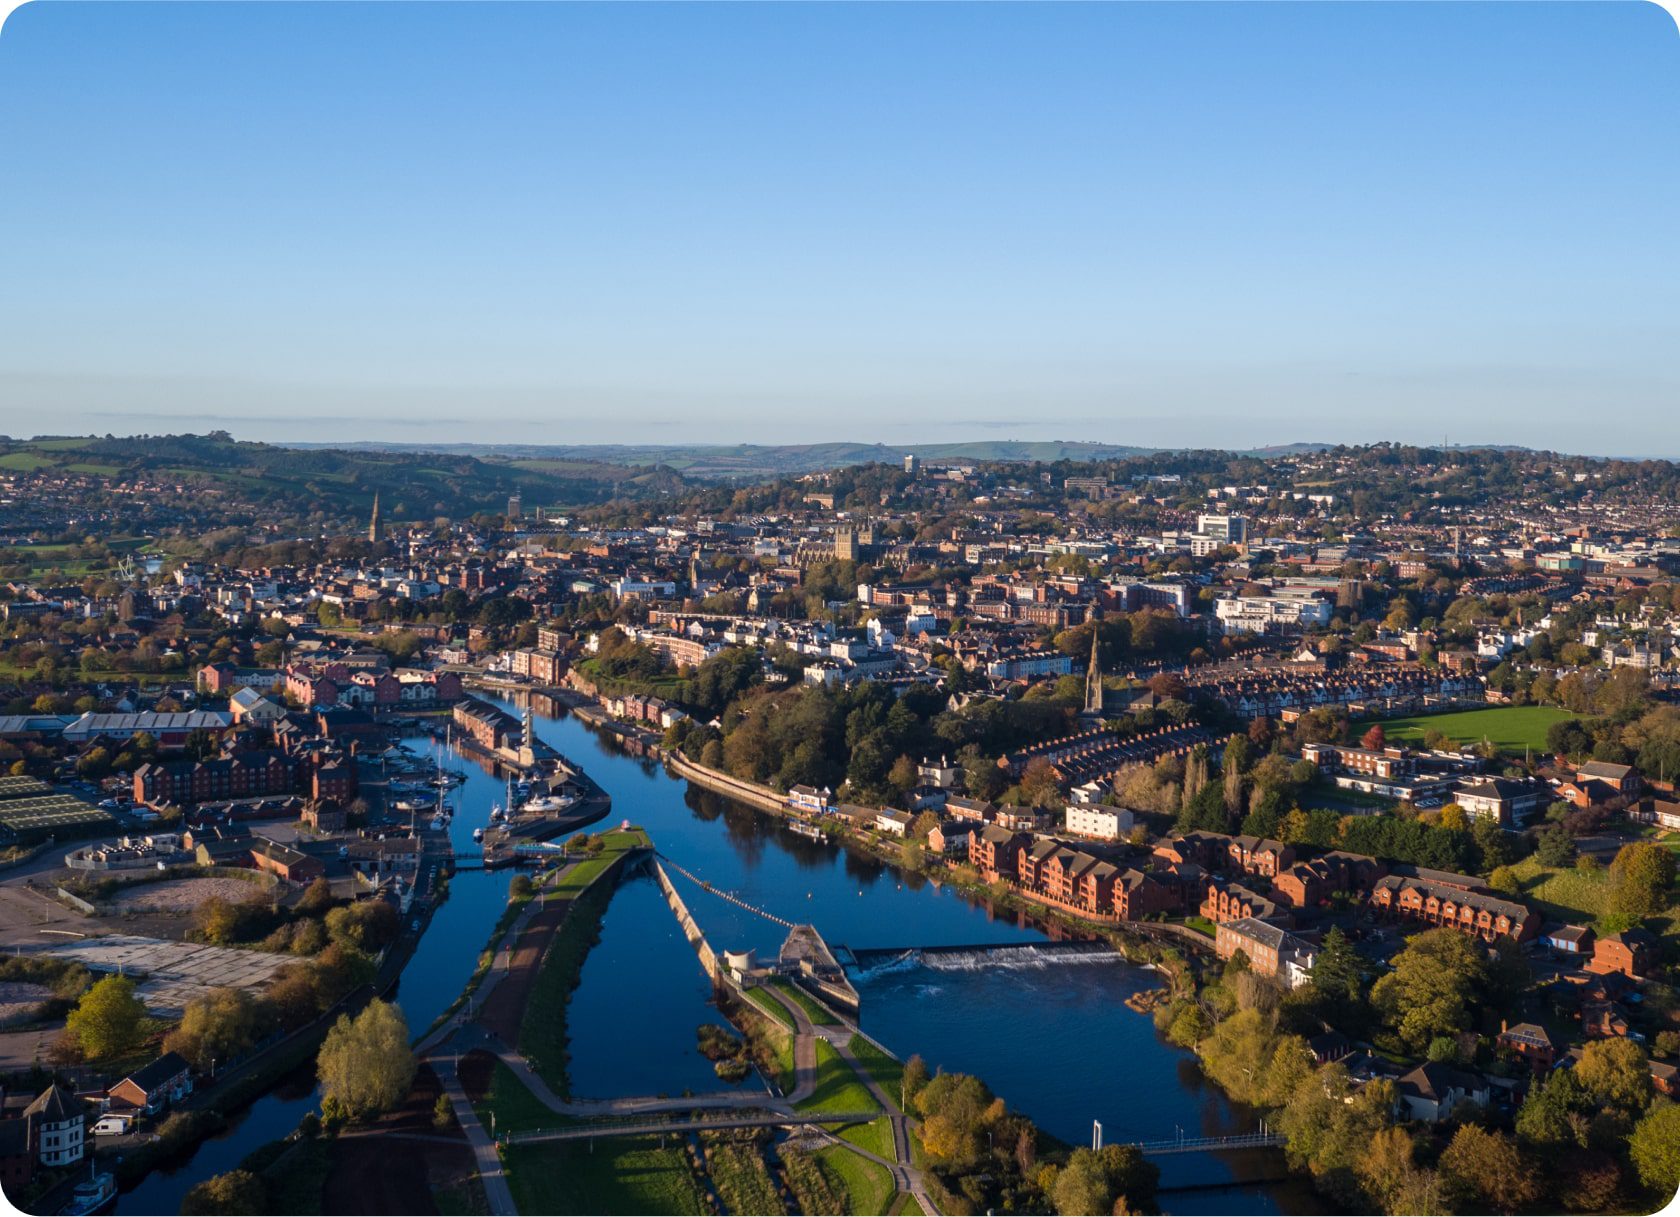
1155,224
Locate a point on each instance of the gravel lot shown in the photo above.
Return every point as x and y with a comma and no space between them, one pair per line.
184,895
18,998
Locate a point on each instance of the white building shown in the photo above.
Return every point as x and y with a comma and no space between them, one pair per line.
1102,823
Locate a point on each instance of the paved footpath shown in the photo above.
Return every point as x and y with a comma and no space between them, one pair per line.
462,1033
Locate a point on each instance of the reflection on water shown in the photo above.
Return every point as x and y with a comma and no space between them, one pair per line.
1050,1035
1047,1031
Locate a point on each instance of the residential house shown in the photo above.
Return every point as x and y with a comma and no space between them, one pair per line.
1531,1042
1633,953
154,1087
57,1124
1431,1091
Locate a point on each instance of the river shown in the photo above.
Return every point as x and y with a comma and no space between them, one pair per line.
1050,1034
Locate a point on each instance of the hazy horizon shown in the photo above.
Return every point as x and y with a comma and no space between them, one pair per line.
1197,225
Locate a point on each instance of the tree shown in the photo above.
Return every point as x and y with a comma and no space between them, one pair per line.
1386,1165
238,1193
107,1020
1375,739
220,921
365,1063
217,1027
521,887
915,1077
1489,1166
1430,989
1640,879
902,776
1654,1148
1336,972
1556,846
317,898
1113,1179
365,926
1616,1074
1504,879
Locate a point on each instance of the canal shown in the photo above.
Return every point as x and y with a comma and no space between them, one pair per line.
1050,1034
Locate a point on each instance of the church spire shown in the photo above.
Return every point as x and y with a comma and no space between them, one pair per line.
376,525
1093,673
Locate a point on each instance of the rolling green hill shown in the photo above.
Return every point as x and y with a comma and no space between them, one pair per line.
410,484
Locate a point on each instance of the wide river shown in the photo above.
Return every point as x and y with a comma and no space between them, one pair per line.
1050,1034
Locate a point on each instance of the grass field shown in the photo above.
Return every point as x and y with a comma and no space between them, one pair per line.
838,1088
874,1137
1566,894
1511,728
516,1108
770,1006
868,1185
887,1072
617,1175
814,1009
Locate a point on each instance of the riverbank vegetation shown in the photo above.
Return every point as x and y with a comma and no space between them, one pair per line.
736,1166
543,1037
1444,1001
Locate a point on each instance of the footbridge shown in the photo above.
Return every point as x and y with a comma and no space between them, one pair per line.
723,895
580,1132
804,955
1202,1145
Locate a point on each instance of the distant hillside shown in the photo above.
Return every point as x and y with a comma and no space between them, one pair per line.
411,484
763,461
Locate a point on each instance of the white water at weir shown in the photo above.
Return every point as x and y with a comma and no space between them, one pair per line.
1006,959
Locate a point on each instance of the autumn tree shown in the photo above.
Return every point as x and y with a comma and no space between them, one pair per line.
1615,1073
365,1063
217,1027
1375,740
1654,1148
1489,1166
107,1020
1640,879
238,1193
1430,989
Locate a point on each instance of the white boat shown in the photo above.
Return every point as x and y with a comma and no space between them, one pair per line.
92,1194
547,803
478,834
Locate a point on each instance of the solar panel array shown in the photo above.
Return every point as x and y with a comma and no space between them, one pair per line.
50,813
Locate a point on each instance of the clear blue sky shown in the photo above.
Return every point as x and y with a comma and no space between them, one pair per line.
1156,224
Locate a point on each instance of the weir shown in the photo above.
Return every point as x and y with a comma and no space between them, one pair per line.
863,958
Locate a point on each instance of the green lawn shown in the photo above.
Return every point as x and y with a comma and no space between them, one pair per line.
868,1185
770,1006
838,1088
814,1009
516,1108
611,1175
874,1137
907,1204
1566,894
1511,728
1201,925
887,1072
